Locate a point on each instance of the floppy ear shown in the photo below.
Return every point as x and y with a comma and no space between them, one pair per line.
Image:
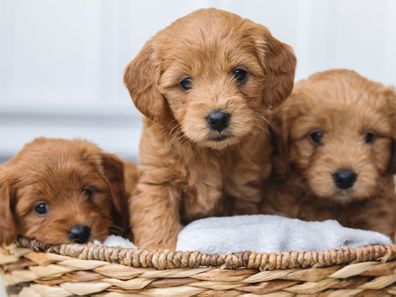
390,94
279,64
8,228
114,172
142,77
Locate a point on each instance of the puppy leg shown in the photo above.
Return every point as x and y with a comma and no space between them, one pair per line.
155,218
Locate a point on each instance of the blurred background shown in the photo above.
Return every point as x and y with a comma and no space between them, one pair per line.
62,62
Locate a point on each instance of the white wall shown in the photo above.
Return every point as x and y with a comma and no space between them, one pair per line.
61,62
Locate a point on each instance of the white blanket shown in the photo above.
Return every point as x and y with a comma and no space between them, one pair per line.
265,233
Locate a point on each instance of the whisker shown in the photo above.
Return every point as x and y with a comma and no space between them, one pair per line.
261,116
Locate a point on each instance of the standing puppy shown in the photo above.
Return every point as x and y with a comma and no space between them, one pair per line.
205,85
335,137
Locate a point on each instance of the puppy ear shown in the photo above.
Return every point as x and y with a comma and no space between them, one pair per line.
8,228
114,172
279,64
280,130
142,77
390,94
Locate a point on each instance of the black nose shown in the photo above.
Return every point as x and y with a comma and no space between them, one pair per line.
218,120
344,178
80,233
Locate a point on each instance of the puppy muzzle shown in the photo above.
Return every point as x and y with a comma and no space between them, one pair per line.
80,233
344,178
218,120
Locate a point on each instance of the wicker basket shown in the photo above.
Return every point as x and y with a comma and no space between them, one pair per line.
33,269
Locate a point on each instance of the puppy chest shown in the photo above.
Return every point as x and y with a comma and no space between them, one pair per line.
201,199
211,198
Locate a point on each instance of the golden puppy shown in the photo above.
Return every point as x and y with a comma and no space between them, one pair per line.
61,191
335,137
205,85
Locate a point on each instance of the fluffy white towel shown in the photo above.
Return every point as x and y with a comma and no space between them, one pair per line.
263,233
267,233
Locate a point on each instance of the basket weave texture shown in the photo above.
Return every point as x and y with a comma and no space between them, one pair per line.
33,269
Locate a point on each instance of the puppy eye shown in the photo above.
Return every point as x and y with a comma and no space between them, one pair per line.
88,192
240,75
316,137
369,137
41,208
186,83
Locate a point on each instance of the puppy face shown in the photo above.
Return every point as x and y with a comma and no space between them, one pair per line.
336,130
59,191
214,75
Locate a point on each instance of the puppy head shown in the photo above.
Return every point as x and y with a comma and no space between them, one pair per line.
336,131
60,191
213,75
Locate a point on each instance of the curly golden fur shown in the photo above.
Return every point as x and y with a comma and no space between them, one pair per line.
210,60
79,184
356,122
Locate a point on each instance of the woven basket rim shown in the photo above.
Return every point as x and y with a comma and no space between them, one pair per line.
166,259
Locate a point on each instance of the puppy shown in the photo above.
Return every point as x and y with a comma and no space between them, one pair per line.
205,85
334,137
63,191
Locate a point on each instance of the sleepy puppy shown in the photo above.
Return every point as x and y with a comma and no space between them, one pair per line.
62,191
205,85
335,139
